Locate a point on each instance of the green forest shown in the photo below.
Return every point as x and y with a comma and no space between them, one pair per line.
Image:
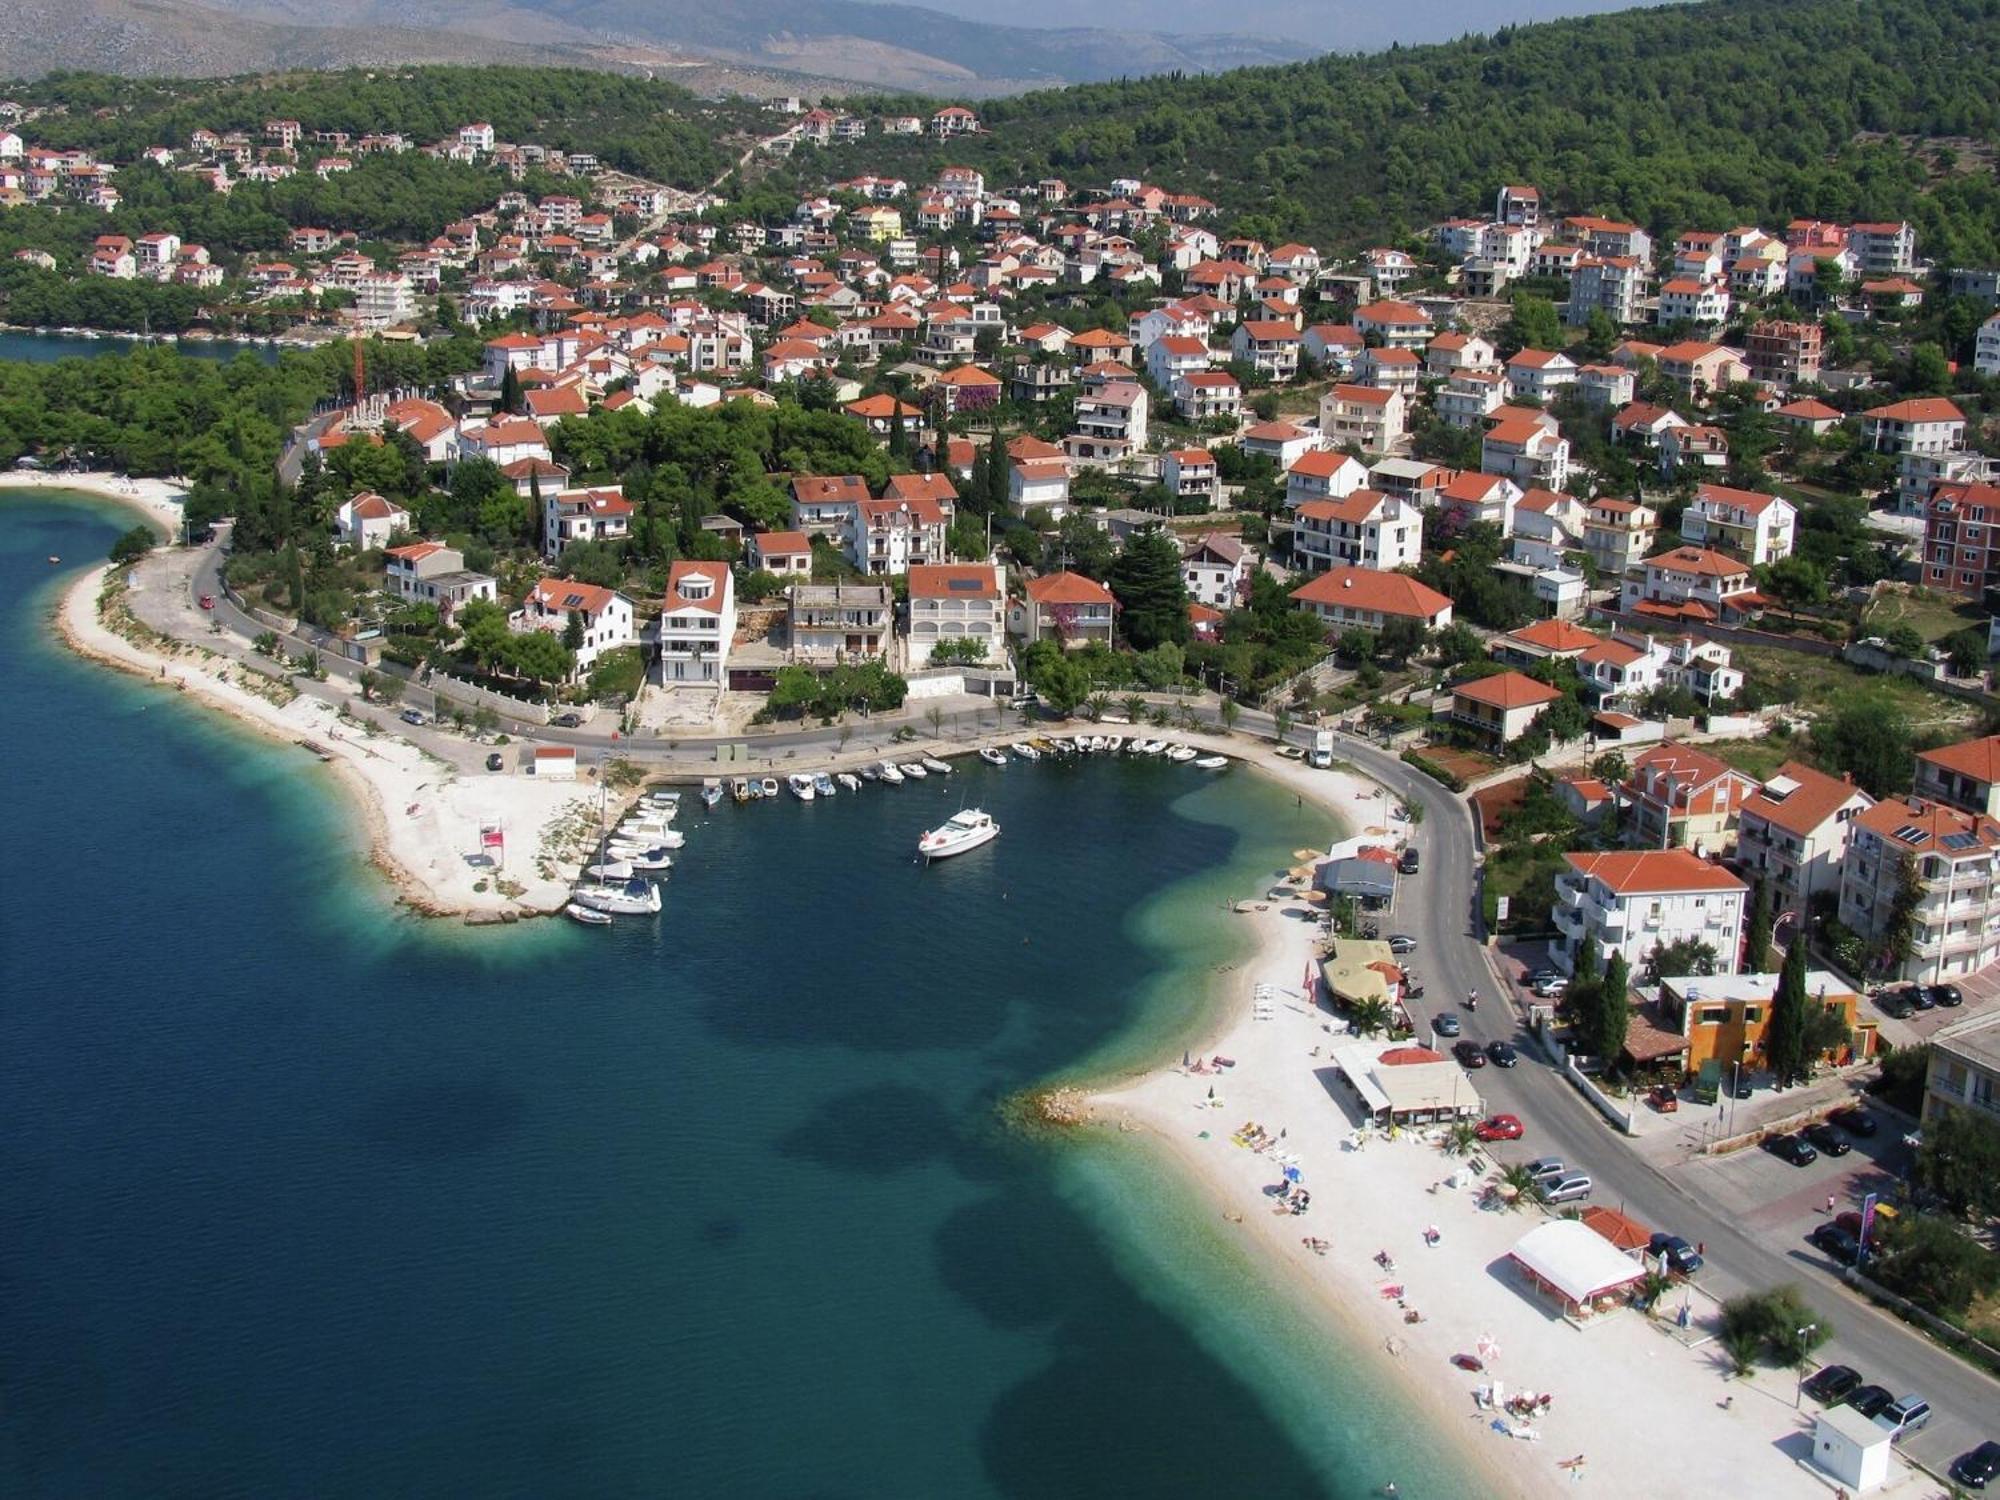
1678,117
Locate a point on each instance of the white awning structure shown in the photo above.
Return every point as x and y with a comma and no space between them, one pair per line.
1574,1260
1358,1064
1439,1088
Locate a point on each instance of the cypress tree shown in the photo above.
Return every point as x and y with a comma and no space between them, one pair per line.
510,390
1757,932
1614,1009
1785,1036
996,473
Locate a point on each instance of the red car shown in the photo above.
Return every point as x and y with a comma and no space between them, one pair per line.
1500,1128
208,601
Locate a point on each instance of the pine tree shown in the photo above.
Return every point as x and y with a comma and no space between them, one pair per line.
510,390
1785,1037
1757,932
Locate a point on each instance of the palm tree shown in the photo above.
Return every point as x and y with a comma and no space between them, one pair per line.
1096,706
1231,712
1462,1139
1135,708
936,718
1371,1016
1521,1182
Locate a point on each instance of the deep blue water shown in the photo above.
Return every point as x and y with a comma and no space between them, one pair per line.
304,1197
44,348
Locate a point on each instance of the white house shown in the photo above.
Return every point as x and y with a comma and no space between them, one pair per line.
1370,418
367,521
1951,855
1690,582
1632,902
1746,524
1204,395
1191,474
1530,450
606,616
1539,374
1366,529
432,573
785,553
1792,834
592,515
957,602
1323,474
1214,570
697,623
1173,355
1344,598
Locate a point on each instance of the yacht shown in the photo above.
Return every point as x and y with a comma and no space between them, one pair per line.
1026,751
965,829
914,769
993,757
937,767
822,784
619,898
849,782
891,776
801,785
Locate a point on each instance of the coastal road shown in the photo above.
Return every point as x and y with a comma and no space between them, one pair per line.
1440,909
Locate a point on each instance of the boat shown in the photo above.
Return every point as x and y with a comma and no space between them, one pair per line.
914,769
1212,763
620,898
1044,744
870,773
1152,747
768,786
739,789
801,785
586,916
937,767
650,834
650,861
665,803
822,784
890,775
1181,754
1065,746
993,757
1082,743
610,869
711,792
1026,751
965,829
849,782
1115,744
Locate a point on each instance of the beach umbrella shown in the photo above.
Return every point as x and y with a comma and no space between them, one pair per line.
1292,1174
1489,1348
1305,854
1315,897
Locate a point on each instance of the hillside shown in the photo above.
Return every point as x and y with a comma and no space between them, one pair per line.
1683,115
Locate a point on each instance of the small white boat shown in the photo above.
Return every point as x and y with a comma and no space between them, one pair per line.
768,787
870,773
586,916
849,782
650,861
666,804
1181,754
965,829
1026,751
1145,747
1083,744
993,757
914,769
823,785
711,792
1097,744
610,869
937,767
649,833
627,898
890,774
1212,763
1065,747
1115,744
801,785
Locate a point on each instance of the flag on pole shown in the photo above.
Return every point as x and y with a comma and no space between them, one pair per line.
492,837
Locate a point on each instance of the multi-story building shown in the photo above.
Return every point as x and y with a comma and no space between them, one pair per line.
1066,608
1268,346
1783,353
1529,450
1636,902
1883,249
1500,708
1370,418
835,624
1539,374
1923,873
1677,797
432,573
1323,474
1473,499
1214,570
1618,533
604,614
1689,299
894,535
1691,583
1792,834
957,602
1468,397
1398,324
1347,598
1986,347
1366,529
1207,395
1699,449
1191,474
1920,432
1614,285
1111,422
1965,1069
1745,524
1965,775
697,623
1722,1020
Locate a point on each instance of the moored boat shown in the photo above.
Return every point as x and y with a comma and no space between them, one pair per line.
992,757
586,916
610,869
914,769
1115,744
650,861
823,785
626,898
1212,763
711,792
890,774
1180,753
768,787
1026,751
849,782
739,789
937,767
801,785
965,829
871,773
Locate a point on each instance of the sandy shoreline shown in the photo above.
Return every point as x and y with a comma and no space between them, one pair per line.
157,500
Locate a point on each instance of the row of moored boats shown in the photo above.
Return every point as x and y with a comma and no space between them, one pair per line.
623,878
1098,744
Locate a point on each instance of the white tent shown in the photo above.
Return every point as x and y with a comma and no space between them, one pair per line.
1575,1261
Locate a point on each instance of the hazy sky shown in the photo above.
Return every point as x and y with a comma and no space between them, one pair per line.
1347,25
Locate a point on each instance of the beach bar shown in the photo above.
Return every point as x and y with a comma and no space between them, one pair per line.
1397,1084
1568,1262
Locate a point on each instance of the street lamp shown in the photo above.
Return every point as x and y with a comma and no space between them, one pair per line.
1802,1334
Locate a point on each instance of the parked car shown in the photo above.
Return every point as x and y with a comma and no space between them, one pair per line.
1502,1054
1795,1149
1851,1222
1445,1025
1547,986
1547,1168
1832,1384
1829,1140
1500,1128
208,601
496,762
1950,996
1904,1415
1411,861
1855,1121
1468,1054
1401,943
1922,997
567,721
1839,1244
1679,1256
411,716
1544,976
1567,1189
1979,1468
1895,1004
1870,1399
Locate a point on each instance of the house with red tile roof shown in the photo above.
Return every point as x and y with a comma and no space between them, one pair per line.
957,602
697,623
1502,707
1637,902
606,616
1949,855
1792,833
1344,598
1679,797
784,553
1691,583
1965,775
1065,607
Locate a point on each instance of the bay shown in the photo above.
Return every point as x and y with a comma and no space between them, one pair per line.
37,348
309,1197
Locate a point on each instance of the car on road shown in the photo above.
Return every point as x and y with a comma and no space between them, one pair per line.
1979,1468
1411,861
1500,1128
207,601
1401,943
1468,1054
1678,1255
496,761
1832,1384
1855,1121
1502,1054
1795,1149
411,716
1547,1168
566,721
1950,996
1829,1140
1870,1399
1905,1415
1840,1245
1445,1025
1567,1189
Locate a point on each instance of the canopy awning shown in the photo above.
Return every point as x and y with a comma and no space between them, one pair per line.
1576,1261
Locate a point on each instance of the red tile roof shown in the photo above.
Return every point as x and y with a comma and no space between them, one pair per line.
1645,872
1366,589
1506,690
1067,588
1812,798
954,581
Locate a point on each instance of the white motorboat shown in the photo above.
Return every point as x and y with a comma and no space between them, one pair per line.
937,767
801,785
619,898
586,916
663,804
849,782
711,792
1065,747
890,774
1115,744
1145,747
823,785
1212,763
610,869
649,833
768,787
1097,744
650,861
914,769
1025,750
1082,743
1181,754
871,773
965,829
993,757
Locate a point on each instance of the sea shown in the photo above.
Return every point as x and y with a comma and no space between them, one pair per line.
305,1196
24,346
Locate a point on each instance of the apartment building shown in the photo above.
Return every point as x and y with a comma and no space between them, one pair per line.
605,615
1965,775
1618,534
1911,859
1529,450
957,602
1370,418
841,623
1678,797
1635,902
1791,835
1693,583
1783,353
1964,1069
1064,607
1920,432
1883,249
1745,524
1366,529
1615,285
697,623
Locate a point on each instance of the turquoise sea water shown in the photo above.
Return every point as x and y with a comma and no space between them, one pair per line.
307,1197
42,348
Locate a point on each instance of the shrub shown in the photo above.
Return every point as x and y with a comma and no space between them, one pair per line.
1776,1324
132,546
1433,770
